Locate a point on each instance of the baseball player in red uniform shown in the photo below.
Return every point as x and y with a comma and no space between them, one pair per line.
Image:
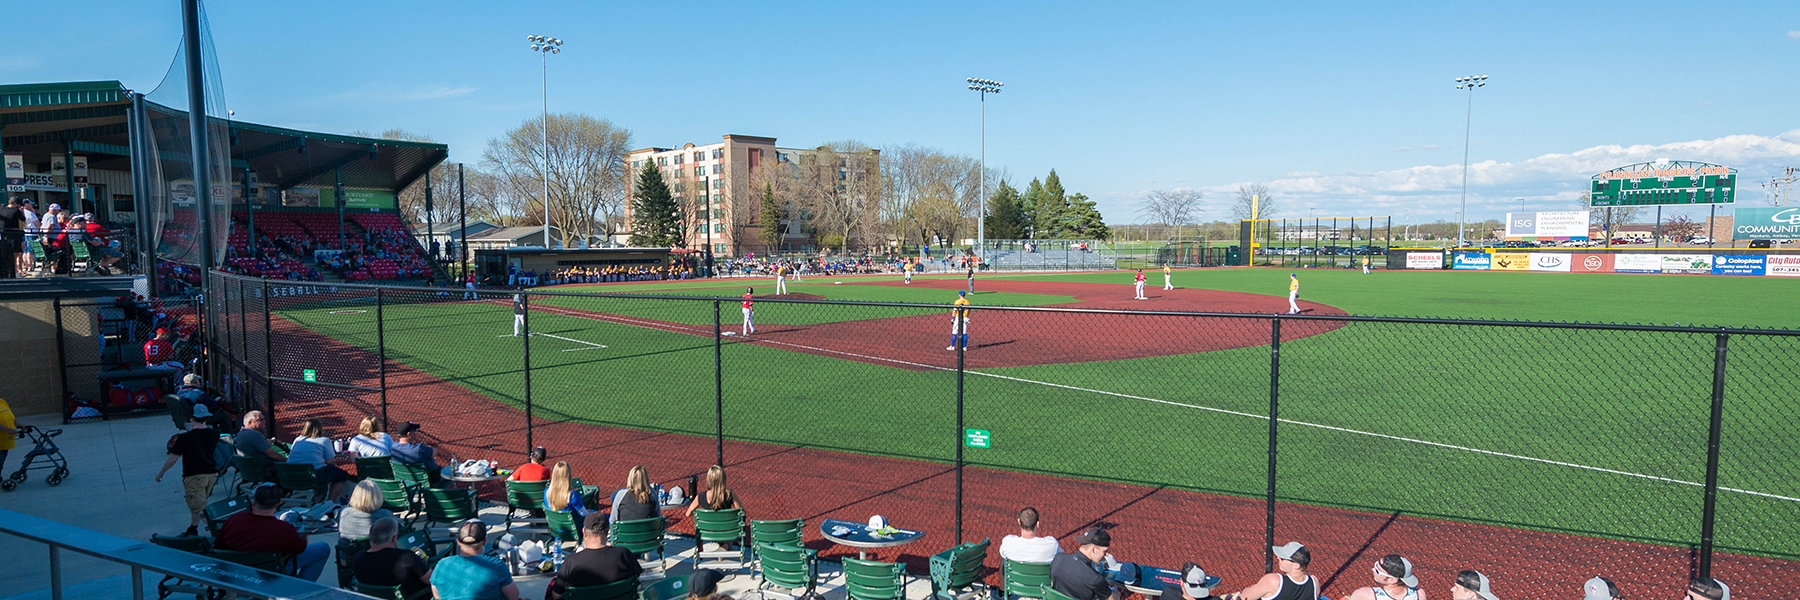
1139,284
749,313
159,349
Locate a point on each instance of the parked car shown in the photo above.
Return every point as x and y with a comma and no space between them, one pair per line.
1700,239
1759,243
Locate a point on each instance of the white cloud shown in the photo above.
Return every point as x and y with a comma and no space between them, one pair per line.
1419,147
1794,35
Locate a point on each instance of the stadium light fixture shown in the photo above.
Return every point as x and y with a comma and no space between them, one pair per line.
546,46
1462,215
984,87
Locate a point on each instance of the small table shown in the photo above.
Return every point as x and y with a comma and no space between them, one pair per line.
469,481
858,535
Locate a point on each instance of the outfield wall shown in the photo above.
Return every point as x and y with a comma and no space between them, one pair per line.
1760,262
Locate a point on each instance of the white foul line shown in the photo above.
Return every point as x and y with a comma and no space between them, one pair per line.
590,345
1223,411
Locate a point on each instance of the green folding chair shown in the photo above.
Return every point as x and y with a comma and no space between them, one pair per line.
398,497
384,592
643,536
250,474
80,255
416,540
297,478
618,590
871,580
777,532
1024,579
419,475
374,467
273,562
171,584
45,267
1051,594
216,513
347,551
673,588
562,527
526,498
788,567
957,573
448,506
720,527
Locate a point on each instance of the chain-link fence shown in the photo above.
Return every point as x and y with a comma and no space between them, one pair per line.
1541,454
114,362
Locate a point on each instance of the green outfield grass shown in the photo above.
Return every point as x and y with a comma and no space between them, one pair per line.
1434,420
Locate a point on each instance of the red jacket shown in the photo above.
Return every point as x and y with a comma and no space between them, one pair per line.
158,351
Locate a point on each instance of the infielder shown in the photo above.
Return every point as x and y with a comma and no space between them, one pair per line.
1168,284
1293,293
908,268
959,322
971,278
749,313
518,314
781,279
469,285
1139,284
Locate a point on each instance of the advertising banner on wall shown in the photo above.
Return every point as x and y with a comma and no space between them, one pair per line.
80,171
1562,225
59,171
15,172
1637,263
1774,223
1512,261
1782,266
1424,260
1471,261
1592,263
1687,263
1739,264
358,198
1551,261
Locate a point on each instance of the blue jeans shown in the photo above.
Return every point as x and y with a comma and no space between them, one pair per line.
309,565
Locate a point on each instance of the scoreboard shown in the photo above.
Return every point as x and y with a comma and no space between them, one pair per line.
1664,182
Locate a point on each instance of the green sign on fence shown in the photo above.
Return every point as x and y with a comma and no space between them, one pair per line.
978,438
310,375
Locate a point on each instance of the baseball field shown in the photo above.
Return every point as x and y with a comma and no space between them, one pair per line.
1473,430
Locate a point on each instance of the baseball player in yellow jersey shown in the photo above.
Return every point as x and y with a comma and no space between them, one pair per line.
1168,284
781,272
1365,264
1293,293
908,268
959,322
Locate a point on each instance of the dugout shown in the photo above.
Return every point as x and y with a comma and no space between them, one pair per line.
493,262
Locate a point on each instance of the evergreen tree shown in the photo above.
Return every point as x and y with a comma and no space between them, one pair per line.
652,222
1031,207
1005,219
1053,209
770,216
1084,219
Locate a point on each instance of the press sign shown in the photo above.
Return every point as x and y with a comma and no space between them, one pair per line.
978,438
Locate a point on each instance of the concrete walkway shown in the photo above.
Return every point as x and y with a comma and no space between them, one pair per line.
111,488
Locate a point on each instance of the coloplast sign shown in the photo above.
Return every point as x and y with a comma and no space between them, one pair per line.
1739,264
1766,224
1546,261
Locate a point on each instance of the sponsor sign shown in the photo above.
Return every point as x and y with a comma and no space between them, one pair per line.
81,175
1424,260
1739,264
59,171
1471,261
1551,261
1687,263
1512,261
1637,263
15,172
358,198
1592,263
1775,223
1782,266
1563,225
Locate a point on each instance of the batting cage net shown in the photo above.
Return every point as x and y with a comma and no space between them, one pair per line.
1540,454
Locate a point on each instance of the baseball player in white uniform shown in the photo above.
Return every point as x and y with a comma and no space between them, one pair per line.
1139,284
908,268
518,314
959,321
1168,282
749,313
781,272
1293,293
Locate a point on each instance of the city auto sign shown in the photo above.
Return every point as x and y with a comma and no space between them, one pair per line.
1775,223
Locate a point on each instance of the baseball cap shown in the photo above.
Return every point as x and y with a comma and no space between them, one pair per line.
1476,581
200,412
267,494
162,331
1599,588
1096,536
594,521
471,533
56,207
1406,572
704,582
962,292
1287,550
1196,582
191,379
407,428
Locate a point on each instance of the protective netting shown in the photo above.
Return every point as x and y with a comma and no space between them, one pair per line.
173,202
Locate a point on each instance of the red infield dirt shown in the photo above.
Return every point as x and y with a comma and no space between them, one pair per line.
1150,525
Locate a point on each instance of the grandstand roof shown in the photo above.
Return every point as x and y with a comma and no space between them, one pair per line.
91,118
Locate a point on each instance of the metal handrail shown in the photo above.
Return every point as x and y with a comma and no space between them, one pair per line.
237,580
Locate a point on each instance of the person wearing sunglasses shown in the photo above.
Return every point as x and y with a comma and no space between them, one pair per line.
1707,588
1394,580
1472,585
1290,581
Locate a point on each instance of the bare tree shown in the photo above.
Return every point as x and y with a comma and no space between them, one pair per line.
1170,208
1610,216
586,171
929,194
1254,196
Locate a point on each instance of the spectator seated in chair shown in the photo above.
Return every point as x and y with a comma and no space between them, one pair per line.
363,511
257,530
469,574
252,444
534,470
597,563
410,450
386,564
1028,546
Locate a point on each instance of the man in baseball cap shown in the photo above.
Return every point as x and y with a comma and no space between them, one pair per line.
1290,581
1195,584
1471,585
469,573
1393,579
1078,573
1707,588
1599,588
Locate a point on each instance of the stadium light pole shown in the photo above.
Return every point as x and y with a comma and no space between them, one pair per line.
985,87
1462,215
546,46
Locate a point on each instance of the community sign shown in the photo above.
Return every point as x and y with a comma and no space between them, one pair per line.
1563,225
1664,182
1775,223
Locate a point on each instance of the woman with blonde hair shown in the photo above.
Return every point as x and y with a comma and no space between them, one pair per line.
637,500
370,440
364,510
562,495
716,496
311,447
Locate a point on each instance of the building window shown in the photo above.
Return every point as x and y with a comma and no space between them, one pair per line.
699,156
781,157
662,161
718,153
637,164
678,158
718,248
718,169
699,171
718,184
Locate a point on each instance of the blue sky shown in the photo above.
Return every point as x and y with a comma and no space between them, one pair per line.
1341,108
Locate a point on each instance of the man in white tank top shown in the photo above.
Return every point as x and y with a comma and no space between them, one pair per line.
1394,580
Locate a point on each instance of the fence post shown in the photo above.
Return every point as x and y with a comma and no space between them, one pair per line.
381,350
524,309
1707,514
243,355
269,357
961,344
62,358
1274,416
718,384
